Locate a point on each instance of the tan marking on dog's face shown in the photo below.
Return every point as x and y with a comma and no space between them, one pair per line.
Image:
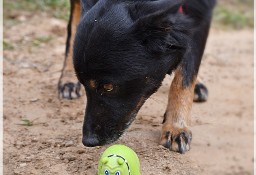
93,84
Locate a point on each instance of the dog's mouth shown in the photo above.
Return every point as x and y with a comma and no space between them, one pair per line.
108,136
96,140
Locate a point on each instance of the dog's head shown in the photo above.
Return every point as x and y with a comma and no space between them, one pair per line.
122,52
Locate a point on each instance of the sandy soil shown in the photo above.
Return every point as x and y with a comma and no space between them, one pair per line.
222,128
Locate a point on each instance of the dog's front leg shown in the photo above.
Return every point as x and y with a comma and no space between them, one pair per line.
175,132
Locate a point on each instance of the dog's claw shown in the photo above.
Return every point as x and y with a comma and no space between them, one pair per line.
177,140
184,140
168,143
69,90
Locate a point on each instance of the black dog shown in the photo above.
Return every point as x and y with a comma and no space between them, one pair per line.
122,51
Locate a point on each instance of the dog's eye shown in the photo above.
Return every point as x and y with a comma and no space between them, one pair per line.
108,87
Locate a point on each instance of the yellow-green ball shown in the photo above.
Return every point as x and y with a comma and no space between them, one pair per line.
119,160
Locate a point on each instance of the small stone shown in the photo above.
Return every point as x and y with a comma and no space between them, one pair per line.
22,18
69,143
34,100
23,164
34,140
80,151
28,159
69,157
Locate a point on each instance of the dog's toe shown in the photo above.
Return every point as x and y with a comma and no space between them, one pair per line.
176,139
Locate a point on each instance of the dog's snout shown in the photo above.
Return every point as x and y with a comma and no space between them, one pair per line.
90,141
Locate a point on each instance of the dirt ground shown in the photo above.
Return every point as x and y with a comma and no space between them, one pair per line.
222,127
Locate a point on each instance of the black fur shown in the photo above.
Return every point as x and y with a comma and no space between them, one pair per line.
133,45
201,93
192,58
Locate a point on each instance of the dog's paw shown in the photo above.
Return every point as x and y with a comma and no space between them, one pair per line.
69,90
200,93
176,139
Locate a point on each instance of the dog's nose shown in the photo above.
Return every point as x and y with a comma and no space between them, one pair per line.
90,141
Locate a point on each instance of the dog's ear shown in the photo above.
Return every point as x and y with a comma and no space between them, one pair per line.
163,30
199,10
